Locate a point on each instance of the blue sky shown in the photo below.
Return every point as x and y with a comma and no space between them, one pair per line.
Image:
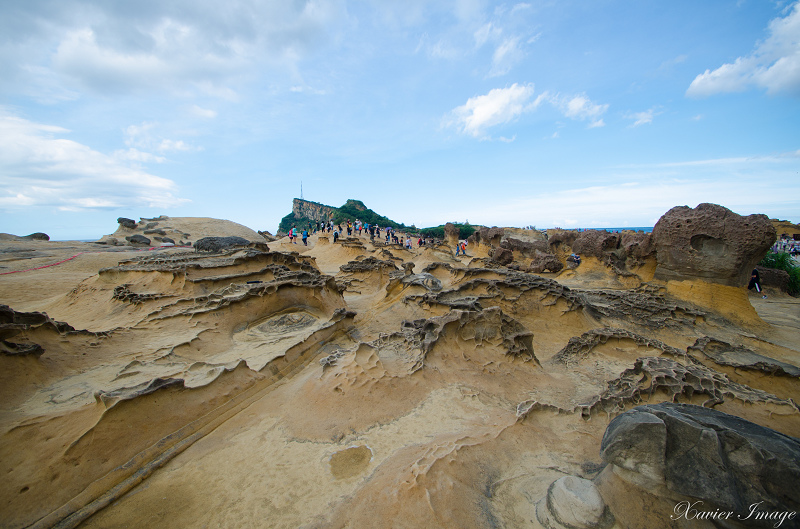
547,113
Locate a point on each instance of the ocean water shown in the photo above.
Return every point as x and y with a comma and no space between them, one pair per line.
615,230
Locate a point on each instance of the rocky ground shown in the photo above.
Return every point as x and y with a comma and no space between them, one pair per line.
359,384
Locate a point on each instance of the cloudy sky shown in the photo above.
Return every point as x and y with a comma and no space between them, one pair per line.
548,112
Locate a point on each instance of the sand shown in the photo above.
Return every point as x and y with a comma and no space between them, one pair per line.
255,389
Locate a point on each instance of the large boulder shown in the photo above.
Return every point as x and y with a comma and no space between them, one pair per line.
595,243
218,244
502,256
722,460
138,240
127,223
710,242
545,262
772,277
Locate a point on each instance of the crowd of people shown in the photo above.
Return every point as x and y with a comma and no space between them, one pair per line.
358,228
786,245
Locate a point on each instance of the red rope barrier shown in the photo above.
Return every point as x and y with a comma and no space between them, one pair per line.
77,254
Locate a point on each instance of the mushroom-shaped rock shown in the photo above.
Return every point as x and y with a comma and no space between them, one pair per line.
711,243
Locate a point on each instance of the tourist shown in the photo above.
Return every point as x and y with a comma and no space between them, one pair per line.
755,282
335,235
305,237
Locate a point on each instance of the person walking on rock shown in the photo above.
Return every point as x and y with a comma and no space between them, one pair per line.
755,282
305,237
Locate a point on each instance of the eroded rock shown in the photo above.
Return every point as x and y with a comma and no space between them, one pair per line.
711,243
720,459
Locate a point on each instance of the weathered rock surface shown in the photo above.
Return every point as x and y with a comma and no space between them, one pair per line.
774,278
138,239
218,244
127,223
545,262
711,243
573,503
723,460
451,234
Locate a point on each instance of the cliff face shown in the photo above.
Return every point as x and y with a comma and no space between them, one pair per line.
311,210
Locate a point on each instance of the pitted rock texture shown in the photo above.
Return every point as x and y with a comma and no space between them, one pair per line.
741,357
711,243
473,292
488,325
723,460
580,347
502,256
487,236
646,305
595,243
368,264
545,262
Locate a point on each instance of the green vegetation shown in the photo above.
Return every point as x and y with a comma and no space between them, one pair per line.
356,210
352,210
290,220
437,232
784,261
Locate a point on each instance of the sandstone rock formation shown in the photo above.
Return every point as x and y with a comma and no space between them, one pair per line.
711,243
362,384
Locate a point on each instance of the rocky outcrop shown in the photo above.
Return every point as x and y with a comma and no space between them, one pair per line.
545,262
451,234
487,236
38,236
595,243
312,210
502,256
127,223
138,240
710,243
721,460
218,244
772,277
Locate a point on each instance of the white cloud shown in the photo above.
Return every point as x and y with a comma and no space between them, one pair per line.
774,64
203,112
505,56
178,47
580,107
499,106
503,105
145,137
41,169
642,118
